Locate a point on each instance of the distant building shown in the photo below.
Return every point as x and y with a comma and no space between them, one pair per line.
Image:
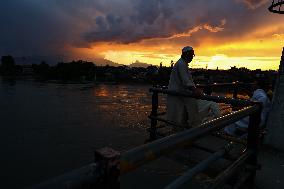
27,70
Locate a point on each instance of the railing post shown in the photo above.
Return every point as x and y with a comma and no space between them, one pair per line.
107,168
253,142
235,94
153,132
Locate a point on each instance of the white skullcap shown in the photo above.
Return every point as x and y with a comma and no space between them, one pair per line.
187,48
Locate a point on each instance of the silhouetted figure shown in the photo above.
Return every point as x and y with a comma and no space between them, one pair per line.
180,108
239,128
172,63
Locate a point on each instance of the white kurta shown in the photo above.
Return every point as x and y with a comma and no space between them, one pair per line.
208,110
259,95
180,108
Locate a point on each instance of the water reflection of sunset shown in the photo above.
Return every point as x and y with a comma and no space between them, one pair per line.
126,106
101,91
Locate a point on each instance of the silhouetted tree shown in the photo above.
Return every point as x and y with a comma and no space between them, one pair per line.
42,70
75,70
8,65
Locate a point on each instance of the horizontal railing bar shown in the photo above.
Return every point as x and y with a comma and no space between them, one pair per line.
220,84
231,138
199,168
167,121
227,173
194,145
223,84
218,99
148,152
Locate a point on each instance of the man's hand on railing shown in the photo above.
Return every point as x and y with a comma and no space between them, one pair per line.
197,92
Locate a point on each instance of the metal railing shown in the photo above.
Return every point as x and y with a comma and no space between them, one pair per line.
236,86
109,165
158,147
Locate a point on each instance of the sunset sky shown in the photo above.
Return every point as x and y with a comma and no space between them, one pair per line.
224,33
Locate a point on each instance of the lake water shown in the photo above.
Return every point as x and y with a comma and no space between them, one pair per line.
50,128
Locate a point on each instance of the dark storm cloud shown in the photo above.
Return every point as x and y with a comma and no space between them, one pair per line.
42,27
164,18
48,26
160,18
28,26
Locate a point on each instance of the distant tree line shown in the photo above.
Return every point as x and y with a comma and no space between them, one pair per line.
8,66
75,70
84,71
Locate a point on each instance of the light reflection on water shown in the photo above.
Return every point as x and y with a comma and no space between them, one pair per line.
56,127
126,106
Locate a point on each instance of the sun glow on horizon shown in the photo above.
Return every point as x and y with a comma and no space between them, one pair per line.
220,61
252,52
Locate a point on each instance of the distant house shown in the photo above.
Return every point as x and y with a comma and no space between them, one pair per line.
152,70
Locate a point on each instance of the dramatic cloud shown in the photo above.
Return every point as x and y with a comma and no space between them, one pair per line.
154,19
31,27
170,18
52,27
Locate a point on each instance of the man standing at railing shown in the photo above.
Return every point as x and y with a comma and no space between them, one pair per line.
182,110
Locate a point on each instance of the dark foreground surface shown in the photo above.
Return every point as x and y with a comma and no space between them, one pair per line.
163,171
271,175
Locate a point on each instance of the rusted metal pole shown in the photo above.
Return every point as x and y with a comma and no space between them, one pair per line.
148,152
227,173
217,99
155,101
236,86
235,94
253,141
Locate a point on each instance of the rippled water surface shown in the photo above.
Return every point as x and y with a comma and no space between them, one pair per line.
50,128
